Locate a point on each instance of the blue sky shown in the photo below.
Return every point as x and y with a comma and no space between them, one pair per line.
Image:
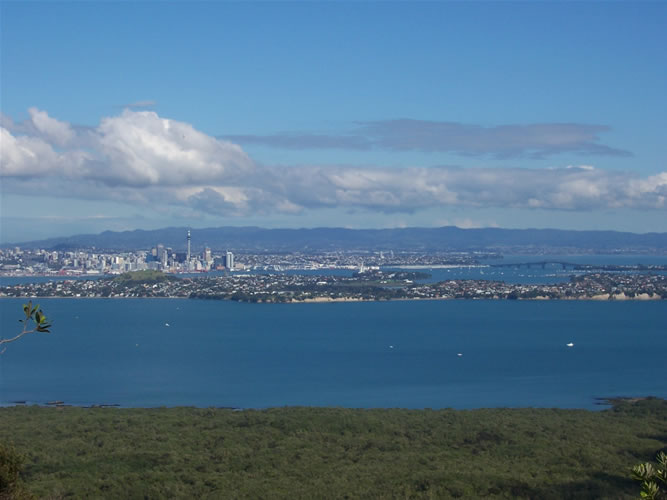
143,115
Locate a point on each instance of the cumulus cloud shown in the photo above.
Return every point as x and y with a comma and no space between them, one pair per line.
133,149
41,125
28,156
409,189
502,141
144,149
140,158
51,129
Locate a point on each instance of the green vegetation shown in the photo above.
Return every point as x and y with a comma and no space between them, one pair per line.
143,277
653,478
34,322
11,464
335,452
397,276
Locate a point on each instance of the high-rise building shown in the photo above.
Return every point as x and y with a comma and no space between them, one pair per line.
162,255
229,260
189,254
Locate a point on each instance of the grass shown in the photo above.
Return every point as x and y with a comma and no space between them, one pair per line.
334,452
147,276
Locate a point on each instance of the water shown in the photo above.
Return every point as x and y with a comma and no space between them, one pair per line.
551,273
120,351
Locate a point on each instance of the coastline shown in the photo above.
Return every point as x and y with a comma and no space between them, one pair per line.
597,401
324,300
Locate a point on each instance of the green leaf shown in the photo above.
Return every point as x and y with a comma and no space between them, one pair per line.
27,309
662,459
650,490
42,317
643,472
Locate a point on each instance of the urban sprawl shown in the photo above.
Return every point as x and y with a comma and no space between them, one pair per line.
161,272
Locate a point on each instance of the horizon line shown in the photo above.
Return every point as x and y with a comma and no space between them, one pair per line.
191,228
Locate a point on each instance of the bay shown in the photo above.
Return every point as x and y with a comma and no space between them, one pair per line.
364,354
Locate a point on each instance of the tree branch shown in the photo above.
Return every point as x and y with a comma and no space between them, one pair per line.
34,316
24,332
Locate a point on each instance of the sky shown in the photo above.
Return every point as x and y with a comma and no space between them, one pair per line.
141,115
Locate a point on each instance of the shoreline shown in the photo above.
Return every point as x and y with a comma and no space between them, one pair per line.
596,402
324,300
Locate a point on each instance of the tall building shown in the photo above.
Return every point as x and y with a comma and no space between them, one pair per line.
189,254
229,260
162,255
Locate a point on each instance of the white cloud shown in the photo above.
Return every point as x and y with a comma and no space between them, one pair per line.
143,149
51,129
409,189
143,159
132,149
26,157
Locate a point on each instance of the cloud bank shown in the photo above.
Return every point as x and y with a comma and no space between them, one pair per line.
502,142
141,158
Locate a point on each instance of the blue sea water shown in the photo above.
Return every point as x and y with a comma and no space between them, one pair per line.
383,354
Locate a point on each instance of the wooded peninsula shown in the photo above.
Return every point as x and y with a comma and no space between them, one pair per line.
371,285
74,452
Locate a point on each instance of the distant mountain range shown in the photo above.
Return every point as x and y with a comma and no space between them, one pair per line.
255,239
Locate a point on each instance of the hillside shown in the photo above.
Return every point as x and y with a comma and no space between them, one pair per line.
255,239
335,452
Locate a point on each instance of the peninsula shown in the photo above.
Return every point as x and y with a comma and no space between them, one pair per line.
370,285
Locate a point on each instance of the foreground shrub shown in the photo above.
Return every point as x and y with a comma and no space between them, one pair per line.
11,464
652,478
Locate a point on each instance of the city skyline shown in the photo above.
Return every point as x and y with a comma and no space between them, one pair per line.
98,261
124,116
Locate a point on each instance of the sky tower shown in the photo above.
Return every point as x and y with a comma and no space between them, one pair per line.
188,258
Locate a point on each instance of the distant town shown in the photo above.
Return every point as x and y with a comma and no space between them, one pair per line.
366,285
17,261
42,262
382,275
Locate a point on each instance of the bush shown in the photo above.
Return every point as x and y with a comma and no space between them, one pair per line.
11,464
653,478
